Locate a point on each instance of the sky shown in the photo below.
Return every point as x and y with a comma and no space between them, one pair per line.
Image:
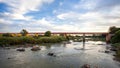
59,15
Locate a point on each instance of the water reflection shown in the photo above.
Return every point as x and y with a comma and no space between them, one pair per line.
67,56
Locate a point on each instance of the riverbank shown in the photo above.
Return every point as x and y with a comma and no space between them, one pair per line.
116,48
8,41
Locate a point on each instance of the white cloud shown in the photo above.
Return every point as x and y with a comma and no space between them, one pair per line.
44,22
93,20
21,7
21,17
24,6
15,16
66,27
68,15
86,4
3,21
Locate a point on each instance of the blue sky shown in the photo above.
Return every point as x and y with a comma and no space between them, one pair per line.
59,15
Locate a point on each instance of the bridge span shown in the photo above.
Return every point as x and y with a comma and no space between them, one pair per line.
70,32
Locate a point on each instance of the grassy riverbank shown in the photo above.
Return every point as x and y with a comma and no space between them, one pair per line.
116,47
4,41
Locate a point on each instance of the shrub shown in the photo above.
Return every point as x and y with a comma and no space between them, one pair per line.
7,35
52,39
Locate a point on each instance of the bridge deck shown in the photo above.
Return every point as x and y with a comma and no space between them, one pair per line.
65,33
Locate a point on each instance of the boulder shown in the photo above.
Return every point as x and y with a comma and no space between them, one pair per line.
21,49
113,49
107,51
35,48
51,54
86,66
8,58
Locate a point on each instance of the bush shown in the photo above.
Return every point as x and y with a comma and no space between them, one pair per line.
30,40
7,35
26,39
52,39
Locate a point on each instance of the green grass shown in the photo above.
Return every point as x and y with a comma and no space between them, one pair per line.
30,40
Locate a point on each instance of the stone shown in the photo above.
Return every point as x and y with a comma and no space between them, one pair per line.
113,49
86,66
107,51
21,49
51,54
35,48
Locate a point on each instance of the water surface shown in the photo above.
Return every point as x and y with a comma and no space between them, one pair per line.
67,56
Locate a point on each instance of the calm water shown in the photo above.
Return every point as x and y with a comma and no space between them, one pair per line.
68,56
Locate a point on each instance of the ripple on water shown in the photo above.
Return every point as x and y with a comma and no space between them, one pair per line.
67,57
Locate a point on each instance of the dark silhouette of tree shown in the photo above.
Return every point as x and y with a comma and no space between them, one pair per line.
116,37
47,33
24,32
113,29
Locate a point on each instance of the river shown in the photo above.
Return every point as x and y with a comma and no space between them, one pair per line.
70,55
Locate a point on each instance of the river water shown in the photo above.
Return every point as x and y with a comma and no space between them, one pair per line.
70,55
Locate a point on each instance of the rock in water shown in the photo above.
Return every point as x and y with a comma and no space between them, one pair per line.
86,66
51,54
21,49
35,48
107,51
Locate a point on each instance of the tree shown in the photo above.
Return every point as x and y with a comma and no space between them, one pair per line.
116,37
24,32
47,33
113,29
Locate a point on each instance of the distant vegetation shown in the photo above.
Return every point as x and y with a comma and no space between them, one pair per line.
24,38
47,33
90,38
30,40
24,32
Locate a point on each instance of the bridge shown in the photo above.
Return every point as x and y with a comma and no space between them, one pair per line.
63,33
71,33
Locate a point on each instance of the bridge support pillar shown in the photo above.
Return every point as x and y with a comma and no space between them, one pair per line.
108,37
83,41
